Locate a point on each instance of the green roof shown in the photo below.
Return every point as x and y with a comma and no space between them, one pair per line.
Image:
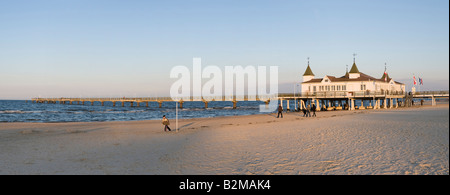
354,69
308,72
384,75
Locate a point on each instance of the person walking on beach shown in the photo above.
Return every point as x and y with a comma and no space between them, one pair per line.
304,112
308,111
166,123
313,109
280,111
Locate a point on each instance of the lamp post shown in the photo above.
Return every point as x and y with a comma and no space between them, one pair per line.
176,116
295,99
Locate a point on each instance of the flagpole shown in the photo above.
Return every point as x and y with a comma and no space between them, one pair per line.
419,84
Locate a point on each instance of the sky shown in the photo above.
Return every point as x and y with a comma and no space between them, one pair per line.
110,48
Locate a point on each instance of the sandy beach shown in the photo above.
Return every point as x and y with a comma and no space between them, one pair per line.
387,141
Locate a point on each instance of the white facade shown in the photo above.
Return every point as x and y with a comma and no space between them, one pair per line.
352,82
353,86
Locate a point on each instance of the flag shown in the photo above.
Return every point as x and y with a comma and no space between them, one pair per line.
385,76
420,81
415,83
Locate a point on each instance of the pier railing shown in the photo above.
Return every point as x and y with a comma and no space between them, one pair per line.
305,95
342,94
431,93
162,99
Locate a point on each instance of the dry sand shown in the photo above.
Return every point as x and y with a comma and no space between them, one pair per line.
392,141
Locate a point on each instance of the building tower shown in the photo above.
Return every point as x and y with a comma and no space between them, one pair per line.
354,72
385,76
308,74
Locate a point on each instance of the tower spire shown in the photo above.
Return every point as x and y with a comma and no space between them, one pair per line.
308,71
385,76
354,72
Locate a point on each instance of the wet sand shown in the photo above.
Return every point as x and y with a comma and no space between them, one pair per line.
386,141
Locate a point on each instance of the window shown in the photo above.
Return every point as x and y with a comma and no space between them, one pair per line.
338,88
363,87
314,88
344,88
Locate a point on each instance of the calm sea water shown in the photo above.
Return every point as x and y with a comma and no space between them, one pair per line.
20,111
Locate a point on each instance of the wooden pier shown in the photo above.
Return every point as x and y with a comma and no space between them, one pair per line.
323,100
146,100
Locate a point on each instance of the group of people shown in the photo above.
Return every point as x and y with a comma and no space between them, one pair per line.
306,111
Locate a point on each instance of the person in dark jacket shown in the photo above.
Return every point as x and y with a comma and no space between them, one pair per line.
313,109
280,111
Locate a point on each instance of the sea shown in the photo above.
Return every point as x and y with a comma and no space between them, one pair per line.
27,111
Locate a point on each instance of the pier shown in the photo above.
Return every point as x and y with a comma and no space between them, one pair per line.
347,100
323,100
146,100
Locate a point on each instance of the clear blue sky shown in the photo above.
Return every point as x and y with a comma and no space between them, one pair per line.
127,48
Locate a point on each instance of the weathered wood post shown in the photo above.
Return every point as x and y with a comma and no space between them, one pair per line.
181,104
